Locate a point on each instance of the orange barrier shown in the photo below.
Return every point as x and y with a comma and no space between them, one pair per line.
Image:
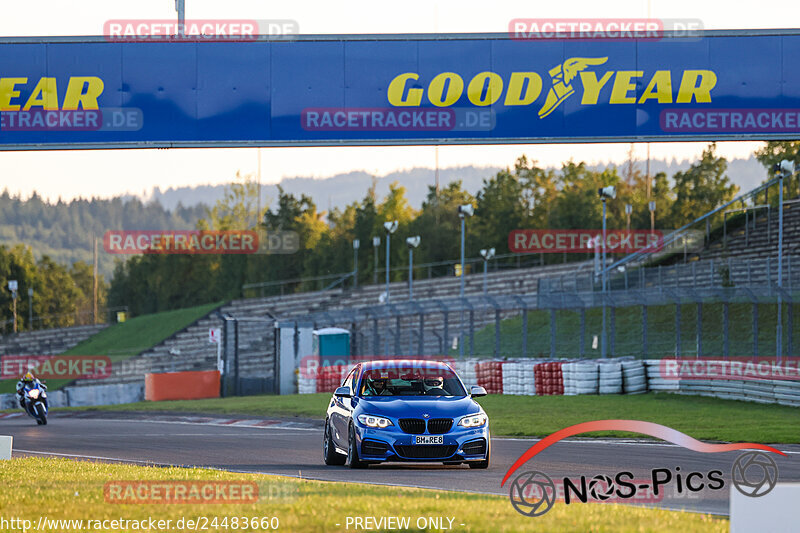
181,385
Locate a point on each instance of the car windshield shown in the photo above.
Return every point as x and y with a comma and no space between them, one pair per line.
411,381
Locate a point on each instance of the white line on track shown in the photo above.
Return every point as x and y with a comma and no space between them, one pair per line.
614,442
275,427
84,456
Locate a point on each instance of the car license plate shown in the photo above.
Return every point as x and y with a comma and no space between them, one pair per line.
429,439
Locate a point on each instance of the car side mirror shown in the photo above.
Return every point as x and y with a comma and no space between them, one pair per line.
476,391
343,392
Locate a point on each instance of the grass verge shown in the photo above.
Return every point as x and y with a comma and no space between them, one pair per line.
698,416
74,490
128,339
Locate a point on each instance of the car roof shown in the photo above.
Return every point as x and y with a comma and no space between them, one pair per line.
404,363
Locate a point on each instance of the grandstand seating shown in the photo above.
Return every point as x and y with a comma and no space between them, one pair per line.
189,349
761,238
46,341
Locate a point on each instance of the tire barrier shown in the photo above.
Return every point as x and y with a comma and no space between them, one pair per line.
490,376
581,378
518,378
654,380
610,380
466,370
576,377
330,377
634,377
549,378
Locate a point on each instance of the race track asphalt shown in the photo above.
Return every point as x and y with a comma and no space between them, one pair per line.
294,449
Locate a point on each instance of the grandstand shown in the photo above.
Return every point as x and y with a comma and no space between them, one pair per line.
47,341
759,237
189,349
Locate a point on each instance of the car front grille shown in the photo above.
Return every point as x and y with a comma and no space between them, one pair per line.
415,426
440,425
475,447
438,451
373,447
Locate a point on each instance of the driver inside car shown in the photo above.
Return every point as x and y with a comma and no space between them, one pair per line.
435,386
377,387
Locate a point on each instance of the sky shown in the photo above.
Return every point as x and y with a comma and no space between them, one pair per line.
69,174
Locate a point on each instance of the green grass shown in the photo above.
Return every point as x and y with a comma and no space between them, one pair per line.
295,405
128,339
65,489
703,418
628,340
698,416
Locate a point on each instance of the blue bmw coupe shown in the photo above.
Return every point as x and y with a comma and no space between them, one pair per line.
405,411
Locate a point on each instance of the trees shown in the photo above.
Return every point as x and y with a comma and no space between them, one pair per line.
62,296
439,226
701,188
776,151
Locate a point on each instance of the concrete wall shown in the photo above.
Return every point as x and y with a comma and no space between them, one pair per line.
86,396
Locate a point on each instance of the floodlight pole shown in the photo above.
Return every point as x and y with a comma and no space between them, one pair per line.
181,9
356,245
30,308
14,298
461,290
376,243
779,328
388,245
603,352
410,272
485,272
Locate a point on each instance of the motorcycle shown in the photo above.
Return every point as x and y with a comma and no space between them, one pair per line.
34,396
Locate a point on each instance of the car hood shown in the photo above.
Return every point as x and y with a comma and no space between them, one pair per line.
416,407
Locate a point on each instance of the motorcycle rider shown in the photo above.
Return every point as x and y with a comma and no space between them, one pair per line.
29,380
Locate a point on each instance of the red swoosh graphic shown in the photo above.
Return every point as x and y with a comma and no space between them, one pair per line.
635,426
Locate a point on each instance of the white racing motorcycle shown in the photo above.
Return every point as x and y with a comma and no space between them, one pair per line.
34,396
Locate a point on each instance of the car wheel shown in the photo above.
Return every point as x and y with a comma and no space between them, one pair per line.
353,460
485,463
329,453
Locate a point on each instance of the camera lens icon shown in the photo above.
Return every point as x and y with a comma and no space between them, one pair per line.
754,474
532,493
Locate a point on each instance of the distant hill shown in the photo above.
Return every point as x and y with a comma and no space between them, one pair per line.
342,189
64,230
338,190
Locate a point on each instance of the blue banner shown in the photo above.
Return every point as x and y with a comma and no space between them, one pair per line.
90,93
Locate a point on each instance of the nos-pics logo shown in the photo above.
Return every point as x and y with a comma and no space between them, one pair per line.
533,493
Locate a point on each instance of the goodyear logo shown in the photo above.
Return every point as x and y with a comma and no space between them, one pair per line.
563,81
81,92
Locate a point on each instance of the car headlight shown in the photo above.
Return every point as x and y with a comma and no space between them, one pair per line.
473,421
374,421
